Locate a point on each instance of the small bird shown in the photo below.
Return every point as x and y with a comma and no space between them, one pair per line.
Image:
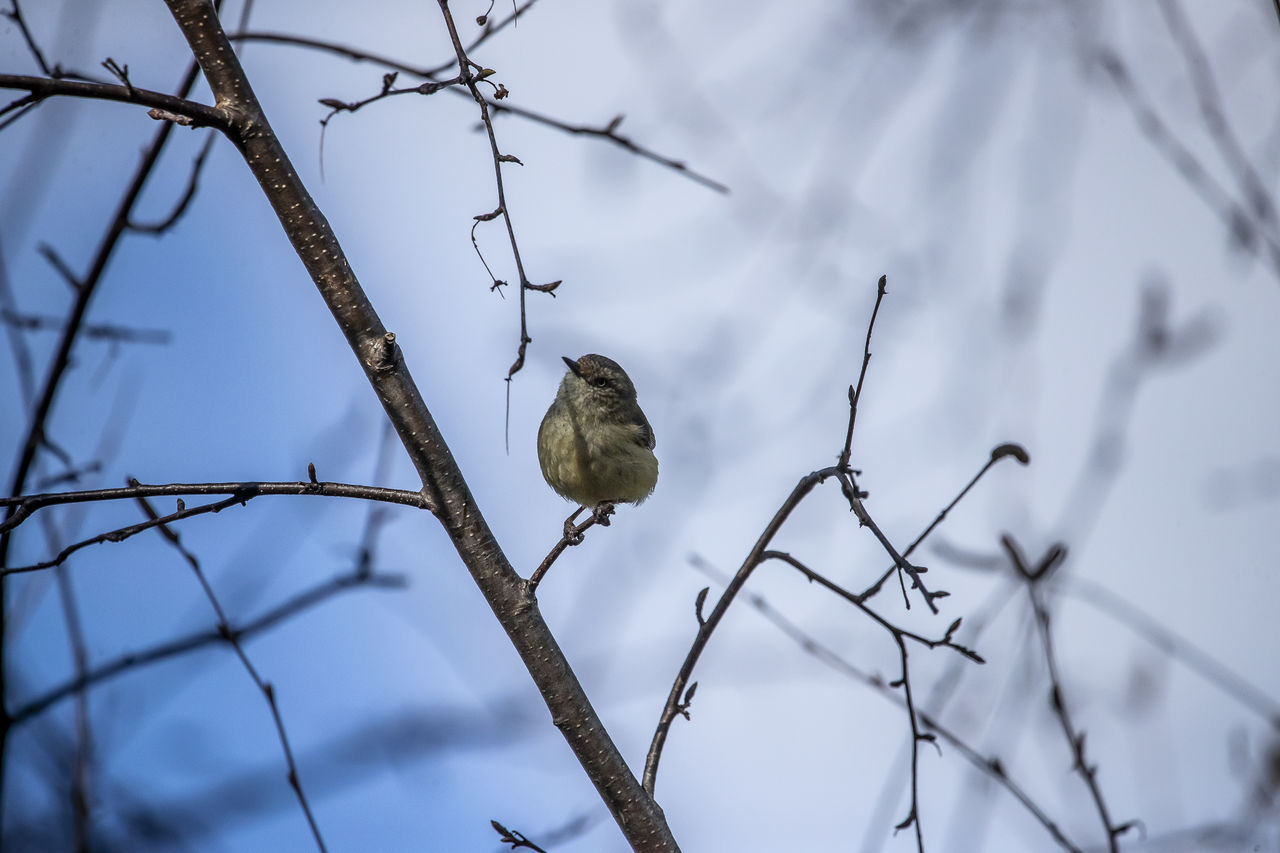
595,445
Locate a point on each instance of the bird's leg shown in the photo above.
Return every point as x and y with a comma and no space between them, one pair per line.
569,527
601,513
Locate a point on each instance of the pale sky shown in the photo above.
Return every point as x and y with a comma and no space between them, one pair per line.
977,157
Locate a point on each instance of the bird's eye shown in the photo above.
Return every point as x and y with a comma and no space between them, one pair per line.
600,382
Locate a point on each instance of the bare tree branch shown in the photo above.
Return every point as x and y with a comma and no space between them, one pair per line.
41,88
444,487
22,506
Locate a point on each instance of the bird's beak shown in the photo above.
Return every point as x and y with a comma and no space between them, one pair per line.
573,365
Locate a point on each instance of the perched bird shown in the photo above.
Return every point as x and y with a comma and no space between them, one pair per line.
595,445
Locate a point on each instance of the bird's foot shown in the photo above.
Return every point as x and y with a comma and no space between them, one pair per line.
601,513
571,532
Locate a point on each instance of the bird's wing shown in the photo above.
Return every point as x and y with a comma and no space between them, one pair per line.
644,437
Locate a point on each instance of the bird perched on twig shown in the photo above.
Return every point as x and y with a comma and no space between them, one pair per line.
595,445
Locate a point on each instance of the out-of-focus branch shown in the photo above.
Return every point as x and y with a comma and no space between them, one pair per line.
264,687
15,14
1213,112
1241,224
1033,577
22,360
184,200
321,592
36,431
81,791
93,331
1175,645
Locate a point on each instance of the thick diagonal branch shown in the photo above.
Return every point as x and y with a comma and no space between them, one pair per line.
443,484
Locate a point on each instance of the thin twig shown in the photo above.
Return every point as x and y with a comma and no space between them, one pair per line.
515,839
913,814
900,633
999,452
899,560
388,90
119,535
849,486
855,394
678,697
607,131
366,56
572,536
466,69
